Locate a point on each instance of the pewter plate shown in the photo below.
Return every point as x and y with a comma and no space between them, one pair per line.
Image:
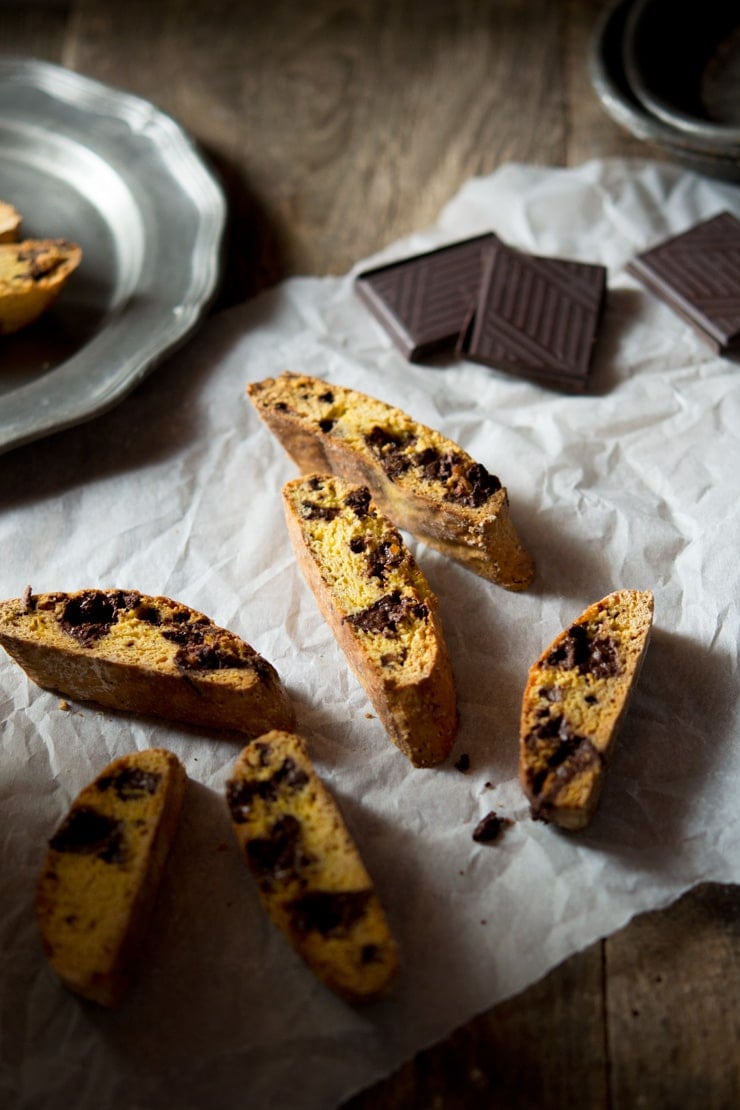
86,162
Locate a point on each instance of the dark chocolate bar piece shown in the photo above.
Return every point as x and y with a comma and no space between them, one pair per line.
423,301
536,317
697,274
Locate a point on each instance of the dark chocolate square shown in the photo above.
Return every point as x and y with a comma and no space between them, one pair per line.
697,274
536,317
423,301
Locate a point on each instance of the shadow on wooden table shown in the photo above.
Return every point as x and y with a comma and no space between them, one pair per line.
247,270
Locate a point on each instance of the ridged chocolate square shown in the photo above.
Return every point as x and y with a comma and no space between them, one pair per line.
697,274
423,301
536,317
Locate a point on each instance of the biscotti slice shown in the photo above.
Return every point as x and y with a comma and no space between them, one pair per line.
576,697
149,655
309,873
99,882
10,222
32,275
422,481
380,608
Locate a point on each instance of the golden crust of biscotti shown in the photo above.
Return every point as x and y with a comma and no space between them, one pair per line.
10,223
149,655
32,275
422,481
575,699
309,873
103,867
380,608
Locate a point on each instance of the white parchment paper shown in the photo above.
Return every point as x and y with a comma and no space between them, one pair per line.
177,492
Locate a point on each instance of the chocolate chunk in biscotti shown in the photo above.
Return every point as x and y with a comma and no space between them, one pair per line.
150,655
422,481
380,608
576,697
102,870
309,873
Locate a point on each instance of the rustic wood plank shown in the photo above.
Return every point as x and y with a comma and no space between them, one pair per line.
673,1005
663,1034
338,127
543,1050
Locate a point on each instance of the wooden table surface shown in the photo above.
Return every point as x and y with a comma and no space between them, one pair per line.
338,126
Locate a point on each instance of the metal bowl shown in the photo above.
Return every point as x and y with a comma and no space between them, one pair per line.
701,152
683,63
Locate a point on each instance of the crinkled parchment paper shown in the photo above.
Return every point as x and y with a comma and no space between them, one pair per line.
177,492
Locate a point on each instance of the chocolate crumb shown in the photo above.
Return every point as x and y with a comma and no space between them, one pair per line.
463,763
489,828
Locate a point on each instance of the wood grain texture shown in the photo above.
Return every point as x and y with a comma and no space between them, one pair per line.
338,126
545,1049
673,1017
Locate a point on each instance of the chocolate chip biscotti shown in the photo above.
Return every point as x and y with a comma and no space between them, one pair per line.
422,481
103,867
10,222
149,655
380,608
32,275
309,873
576,697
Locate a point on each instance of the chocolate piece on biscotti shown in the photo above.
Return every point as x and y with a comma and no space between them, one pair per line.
536,317
424,301
697,274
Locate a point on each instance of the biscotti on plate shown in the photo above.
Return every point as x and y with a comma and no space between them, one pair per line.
102,870
10,222
150,655
32,275
421,480
380,608
576,697
309,873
